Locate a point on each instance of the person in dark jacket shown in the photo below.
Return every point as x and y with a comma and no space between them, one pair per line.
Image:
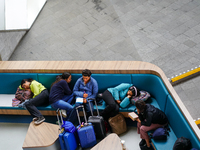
149,118
61,96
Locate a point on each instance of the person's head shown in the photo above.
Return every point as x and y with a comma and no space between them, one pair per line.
86,74
67,77
133,91
25,83
140,105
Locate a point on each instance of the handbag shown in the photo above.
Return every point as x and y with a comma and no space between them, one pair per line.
68,126
118,124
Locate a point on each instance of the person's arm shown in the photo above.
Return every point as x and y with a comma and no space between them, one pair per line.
66,88
76,88
125,102
35,88
121,87
94,89
148,120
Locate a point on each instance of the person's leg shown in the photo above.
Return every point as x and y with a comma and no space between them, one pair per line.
39,100
68,98
72,116
144,129
112,108
62,105
88,108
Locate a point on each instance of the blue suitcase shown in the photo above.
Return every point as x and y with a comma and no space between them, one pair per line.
67,140
86,132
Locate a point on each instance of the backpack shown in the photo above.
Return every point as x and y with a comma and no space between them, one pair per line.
143,97
68,126
160,133
182,143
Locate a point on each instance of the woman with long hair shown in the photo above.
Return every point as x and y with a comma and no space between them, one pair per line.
61,96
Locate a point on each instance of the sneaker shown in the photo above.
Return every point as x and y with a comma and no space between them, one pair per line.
35,118
39,120
142,142
63,112
147,148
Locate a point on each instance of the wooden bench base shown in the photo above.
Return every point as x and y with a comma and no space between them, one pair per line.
43,136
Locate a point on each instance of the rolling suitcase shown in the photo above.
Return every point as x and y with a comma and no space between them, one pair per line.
85,131
97,122
67,139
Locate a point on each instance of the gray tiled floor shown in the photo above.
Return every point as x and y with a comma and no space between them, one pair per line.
163,32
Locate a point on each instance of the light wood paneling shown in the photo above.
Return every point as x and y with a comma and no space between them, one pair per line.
25,112
111,142
42,135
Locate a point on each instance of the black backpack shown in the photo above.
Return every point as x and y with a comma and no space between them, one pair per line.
182,143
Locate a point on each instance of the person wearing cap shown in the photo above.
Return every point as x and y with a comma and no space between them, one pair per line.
86,87
116,97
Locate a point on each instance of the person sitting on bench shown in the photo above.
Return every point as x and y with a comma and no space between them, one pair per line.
40,97
61,96
150,118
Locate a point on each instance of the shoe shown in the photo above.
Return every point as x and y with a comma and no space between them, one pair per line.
142,142
63,112
100,95
39,120
35,118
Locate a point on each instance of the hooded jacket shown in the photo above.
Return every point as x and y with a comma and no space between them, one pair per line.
153,115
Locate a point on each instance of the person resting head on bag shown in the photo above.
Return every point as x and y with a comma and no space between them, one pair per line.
116,97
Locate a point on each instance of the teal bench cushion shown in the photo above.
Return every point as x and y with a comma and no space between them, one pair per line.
10,81
178,122
152,84
47,79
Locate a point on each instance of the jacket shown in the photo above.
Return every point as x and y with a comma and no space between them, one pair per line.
153,115
120,93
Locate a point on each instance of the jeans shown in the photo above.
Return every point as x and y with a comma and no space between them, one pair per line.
65,104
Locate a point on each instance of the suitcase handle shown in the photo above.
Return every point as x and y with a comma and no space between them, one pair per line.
58,110
95,105
83,113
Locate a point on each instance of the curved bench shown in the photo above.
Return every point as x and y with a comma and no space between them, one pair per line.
145,76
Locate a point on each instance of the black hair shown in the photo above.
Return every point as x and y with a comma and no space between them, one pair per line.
65,75
141,105
134,90
86,72
24,80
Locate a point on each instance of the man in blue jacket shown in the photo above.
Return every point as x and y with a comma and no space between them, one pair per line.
86,87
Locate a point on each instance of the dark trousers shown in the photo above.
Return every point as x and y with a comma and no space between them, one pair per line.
87,107
112,107
39,100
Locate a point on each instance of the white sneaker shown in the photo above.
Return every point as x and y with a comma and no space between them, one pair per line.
64,113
